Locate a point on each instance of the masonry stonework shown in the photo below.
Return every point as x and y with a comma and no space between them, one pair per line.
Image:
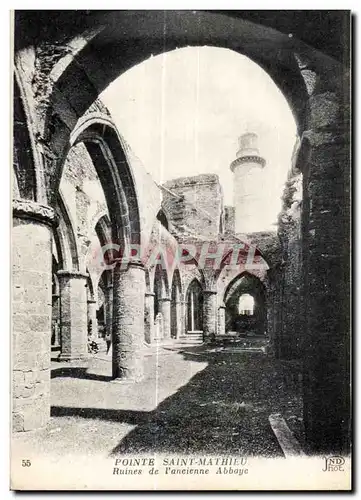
128,322
73,315
31,302
305,280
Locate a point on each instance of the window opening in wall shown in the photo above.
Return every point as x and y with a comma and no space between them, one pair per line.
246,305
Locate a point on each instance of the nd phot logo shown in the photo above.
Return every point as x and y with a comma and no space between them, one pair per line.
334,464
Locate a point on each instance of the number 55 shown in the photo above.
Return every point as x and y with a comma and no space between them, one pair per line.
25,463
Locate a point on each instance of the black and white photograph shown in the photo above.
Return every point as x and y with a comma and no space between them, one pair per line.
181,250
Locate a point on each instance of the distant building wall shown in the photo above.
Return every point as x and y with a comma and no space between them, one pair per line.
199,207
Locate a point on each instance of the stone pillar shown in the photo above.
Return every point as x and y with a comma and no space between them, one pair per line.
149,317
183,321
192,326
92,318
178,316
31,309
222,320
108,306
164,309
326,245
73,315
128,321
209,315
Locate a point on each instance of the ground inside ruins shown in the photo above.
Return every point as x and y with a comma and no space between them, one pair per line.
194,398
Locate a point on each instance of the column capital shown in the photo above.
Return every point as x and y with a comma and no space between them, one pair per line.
28,209
164,299
91,301
149,294
210,292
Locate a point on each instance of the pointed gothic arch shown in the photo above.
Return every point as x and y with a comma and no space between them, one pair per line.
194,305
254,321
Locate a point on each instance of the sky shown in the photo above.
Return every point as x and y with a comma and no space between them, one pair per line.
182,113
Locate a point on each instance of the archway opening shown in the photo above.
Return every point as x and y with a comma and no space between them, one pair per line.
245,306
194,302
23,163
193,93
176,306
161,303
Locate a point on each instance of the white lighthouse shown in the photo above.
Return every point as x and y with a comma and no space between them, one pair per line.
248,185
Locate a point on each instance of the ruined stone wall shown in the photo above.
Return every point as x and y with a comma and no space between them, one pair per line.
229,220
162,249
31,305
228,274
199,212
83,194
288,310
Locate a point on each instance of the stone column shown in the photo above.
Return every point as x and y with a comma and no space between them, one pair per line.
108,307
222,320
164,309
92,318
149,317
178,318
73,315
32,311
209,315
128,321
183,319
326,245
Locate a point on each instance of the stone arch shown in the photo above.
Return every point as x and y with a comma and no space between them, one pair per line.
64,236
176,305
102,229
157,264
245,283
194,306
161,284
100,215
162,311
240,256
318,91
25,174
232,286
177,281
109,155
103,34
167,31
90,287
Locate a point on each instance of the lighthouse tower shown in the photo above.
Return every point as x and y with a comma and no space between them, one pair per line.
248,185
